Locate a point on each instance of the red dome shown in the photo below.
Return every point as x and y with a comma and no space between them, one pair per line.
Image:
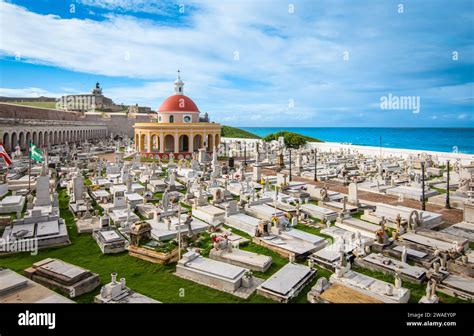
180,103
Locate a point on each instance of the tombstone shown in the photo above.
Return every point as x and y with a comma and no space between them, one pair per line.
119,200
55,200
404,254
257,172
202,157
165,200
398,279
353,198
29,204
104,221
231,208
43,194
217,196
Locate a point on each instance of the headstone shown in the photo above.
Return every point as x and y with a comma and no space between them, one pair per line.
43,195
353,198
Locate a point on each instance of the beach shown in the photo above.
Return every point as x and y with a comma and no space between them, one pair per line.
377,151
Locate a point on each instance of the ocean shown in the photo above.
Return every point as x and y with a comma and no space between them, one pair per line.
459,140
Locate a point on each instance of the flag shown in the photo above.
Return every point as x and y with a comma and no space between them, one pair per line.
35,153
5,156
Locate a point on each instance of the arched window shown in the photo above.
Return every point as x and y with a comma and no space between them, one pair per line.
171,119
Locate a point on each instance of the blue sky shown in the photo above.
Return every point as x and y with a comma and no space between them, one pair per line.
251,63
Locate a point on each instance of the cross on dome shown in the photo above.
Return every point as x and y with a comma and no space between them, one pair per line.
178,85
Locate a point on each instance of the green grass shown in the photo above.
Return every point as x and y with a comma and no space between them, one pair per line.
233,132
313,230
48,105
153,280
302,296
440,190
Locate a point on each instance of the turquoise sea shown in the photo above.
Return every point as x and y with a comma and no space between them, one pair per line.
431,139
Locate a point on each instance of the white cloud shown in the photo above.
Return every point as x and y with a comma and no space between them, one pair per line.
290,56
32,92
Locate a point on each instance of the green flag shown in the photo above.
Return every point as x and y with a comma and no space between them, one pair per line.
35,153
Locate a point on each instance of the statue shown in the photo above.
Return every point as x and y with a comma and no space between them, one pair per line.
413,220
165,200
188,221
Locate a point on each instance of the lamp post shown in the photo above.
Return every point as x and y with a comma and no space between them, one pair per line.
448,206
423,204
315,165
245,155
289,149
179,231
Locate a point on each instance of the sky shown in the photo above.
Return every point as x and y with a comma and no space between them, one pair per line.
254,63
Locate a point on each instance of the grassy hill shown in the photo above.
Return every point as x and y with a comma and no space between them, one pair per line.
232,132
287,135
47,104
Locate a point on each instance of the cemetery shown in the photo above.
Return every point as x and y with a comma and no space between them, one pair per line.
213,222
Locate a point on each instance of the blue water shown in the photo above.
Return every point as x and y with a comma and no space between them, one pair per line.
431,139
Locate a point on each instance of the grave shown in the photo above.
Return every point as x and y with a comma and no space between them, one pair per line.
240,221
287,283
117,292
142,245
458,286
225,251
465,228
88,223
409,192
70,280
12,204
167,228
338,293
292,242
323,214
109,240
15,288
355,225
374,288
263,211
390,212
42,230
228,278
339,206
147,210
434,240
387,265
209,214
462,229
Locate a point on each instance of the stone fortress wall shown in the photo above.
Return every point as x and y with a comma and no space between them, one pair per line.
19,124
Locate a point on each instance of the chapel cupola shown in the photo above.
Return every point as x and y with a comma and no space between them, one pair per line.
178,85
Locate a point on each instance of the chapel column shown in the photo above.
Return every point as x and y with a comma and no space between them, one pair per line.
176,142
191,142
149,142
162,143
